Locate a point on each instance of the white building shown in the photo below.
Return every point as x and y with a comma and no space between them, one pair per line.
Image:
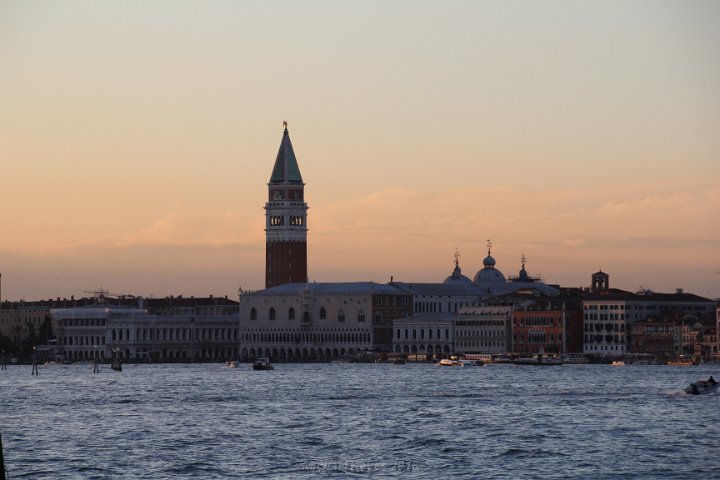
607,316
98,330
319,321
424,334
484,330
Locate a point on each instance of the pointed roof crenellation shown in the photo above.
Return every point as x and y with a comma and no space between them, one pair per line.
286,169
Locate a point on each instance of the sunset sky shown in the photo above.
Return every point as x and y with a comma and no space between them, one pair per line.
137,139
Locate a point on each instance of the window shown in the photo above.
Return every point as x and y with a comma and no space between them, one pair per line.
271,314
253,314
323,313
341,316
291,314
361,316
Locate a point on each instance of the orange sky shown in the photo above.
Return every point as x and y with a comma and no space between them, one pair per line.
136,141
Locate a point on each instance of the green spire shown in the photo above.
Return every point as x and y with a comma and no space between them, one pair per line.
286,168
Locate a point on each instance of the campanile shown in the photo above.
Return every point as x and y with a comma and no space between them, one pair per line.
285,220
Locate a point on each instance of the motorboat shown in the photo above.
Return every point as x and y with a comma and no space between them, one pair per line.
449,362
233,364
262,363
617,363
701,387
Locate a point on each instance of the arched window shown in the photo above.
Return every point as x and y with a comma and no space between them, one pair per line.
253,314
361,316
271,314
291,314
306,317
323,313
378,317
341,316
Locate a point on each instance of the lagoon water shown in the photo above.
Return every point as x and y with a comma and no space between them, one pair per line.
358,421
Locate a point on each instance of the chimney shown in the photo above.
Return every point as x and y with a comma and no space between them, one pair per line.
679,291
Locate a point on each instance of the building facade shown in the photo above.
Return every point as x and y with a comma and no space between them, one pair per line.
484,330
609,315
160,330
319,321
424,334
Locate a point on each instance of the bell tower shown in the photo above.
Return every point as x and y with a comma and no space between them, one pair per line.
285,220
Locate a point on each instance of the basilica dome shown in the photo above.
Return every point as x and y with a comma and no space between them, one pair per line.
457,277
489,274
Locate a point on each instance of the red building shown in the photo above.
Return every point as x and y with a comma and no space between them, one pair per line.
654,336
537,331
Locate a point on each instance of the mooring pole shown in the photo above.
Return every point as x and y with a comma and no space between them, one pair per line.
35,365
2,461
96,365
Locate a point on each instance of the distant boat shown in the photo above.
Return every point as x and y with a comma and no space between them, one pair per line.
574,358
701,387
682,361
233,364
617,363
262,363
539,360
472,363
449,362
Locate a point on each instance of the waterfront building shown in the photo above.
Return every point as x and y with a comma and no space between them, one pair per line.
483,330
470,330
539,329
172,338
608,315
165,329
425,334
319,321
21,322
653,336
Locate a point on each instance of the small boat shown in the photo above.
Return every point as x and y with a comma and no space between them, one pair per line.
262,363
574,358
472,363
617,363
682,361
449,362
701,387
232,364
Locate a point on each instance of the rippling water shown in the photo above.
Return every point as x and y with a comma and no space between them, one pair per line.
358,421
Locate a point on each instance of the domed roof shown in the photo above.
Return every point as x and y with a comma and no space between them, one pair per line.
489,261
523,276
489,274
457,277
